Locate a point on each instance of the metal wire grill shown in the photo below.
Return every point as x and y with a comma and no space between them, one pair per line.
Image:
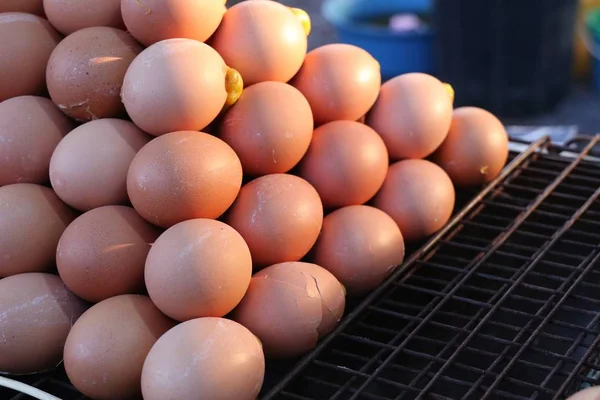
502,304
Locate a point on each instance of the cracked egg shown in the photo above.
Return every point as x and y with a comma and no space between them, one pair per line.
86,71
290,306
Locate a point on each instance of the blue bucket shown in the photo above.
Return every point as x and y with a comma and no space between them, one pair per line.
397,52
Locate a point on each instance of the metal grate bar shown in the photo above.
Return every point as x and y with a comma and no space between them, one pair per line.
472,268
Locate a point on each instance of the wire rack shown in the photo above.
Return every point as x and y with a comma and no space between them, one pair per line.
503,303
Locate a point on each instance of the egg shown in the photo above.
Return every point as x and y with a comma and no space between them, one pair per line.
69,16
289,306
205,358
360,246
591,393
88,168
340,81
26,6
198,268
36,314
30,129
32,219
279,216
270,128
419,196
178,84
263,40
31,38
476,148
102,253
412,114
151,21
183,175
347,163
85,72
106,348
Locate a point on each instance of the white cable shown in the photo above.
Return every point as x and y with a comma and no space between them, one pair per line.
27,389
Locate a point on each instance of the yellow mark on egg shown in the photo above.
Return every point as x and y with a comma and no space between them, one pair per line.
484,170
145,7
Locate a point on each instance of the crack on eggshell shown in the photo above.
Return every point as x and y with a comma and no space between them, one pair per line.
145,7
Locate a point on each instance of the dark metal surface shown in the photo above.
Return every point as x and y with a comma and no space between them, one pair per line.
503,303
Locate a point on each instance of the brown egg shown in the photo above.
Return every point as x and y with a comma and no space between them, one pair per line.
198,268
32,219
85,72
103,252
30,129
69,16
106,348
151,21
419,196
269,128
25,6
183,175
360,246
279,216
340,81
36,314
205,358
89,166
263,40
26,42
412,115
289,306
476,149
175,84
347,162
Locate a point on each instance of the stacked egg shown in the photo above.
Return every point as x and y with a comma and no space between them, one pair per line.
186,188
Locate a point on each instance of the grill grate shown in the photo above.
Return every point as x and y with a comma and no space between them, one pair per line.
503,304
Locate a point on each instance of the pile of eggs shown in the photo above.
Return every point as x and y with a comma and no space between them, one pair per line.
185,188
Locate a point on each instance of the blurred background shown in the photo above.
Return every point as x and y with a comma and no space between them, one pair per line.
531,62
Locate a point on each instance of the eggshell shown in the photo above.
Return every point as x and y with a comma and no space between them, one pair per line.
26,6
591,393
270,128
205,358
30,129
36,315
360,246
412,114
103,252
151,21
346,162
476,149
279,216
419,196
89,166
340,81
69,16
198,268
85,72
183,175
289,306
26,42
261,39
173,85
32,219
106,348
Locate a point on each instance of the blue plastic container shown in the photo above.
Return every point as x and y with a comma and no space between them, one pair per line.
397,52
593,43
